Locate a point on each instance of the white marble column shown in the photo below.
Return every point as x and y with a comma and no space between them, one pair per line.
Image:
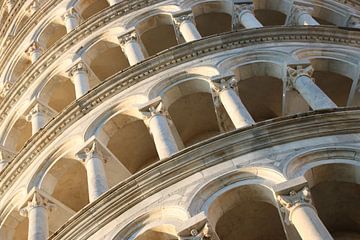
155,117
79,76
38,116
239,115
186,27
37,213
300,79
131,48
34,51
245,15
300,15
95,171
71,19
301,213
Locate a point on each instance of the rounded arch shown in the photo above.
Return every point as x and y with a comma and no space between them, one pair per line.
51,32
102,48
191,97
328,13
213,17
271,13
156,33
202,199
233,202
156,224
88,8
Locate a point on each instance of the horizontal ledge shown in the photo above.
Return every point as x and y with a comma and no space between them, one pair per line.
154,65
160,175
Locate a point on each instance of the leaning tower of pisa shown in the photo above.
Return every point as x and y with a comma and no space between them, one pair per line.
179,119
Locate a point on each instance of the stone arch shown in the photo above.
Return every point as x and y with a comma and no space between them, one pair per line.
271,13
232,200
336,73
333,177
261,80
88,8
51,33
328,13
58,92
156,224
104,48
213,17
156,33
18,134
22,63
191,97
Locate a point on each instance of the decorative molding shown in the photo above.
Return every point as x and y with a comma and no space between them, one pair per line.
142,185
147,68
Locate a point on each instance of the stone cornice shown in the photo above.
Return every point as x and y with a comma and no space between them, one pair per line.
238,39
204,155
135,74
94,22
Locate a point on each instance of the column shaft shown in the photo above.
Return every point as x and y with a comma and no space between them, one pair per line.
35,55
97,183
312,94
164,140
306,19
248,20
308,224
189,31
133,52
235,108
38,121
81,83
38,223
70,23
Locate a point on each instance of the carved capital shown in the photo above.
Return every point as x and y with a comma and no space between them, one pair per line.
34,6
128,37
180,18
6,88
78,67
197,228
153,108
71,13
10,4
40,108
240,9
219,84
90,151
296,70
296,12
37,200
34,47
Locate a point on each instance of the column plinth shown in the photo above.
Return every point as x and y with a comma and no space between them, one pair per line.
155,117
239,115
300,79
186,27
79,76
245,15
131,48
95,171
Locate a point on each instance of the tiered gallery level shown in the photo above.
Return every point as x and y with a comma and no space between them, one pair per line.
179,119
